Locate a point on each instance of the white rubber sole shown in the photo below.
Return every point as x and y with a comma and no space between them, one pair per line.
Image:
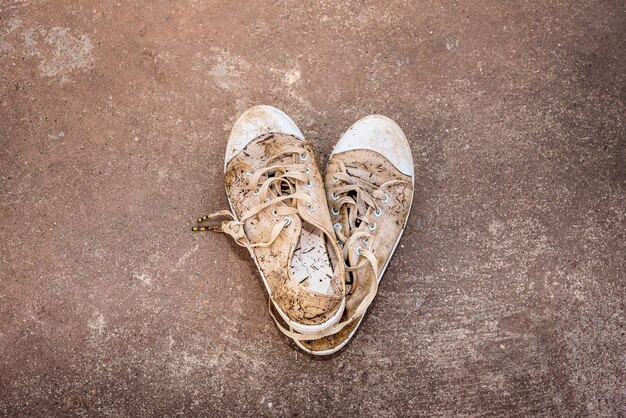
380,134
253,123
349,143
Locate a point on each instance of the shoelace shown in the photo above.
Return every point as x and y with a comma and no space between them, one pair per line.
278,191
362,207
280,184
355,240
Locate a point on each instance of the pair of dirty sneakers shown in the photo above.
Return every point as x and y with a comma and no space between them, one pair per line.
320,244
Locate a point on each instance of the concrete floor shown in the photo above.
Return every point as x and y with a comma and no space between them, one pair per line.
506,297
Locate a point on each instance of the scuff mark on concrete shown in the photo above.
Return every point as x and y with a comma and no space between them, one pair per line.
68,53
97,324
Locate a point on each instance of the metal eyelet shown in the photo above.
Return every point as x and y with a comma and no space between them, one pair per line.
334,212
308,184
274,212
308,170
256,193
358,251
311,208
288,219
335,179
304,157
249,174
385,199
365,241
337,226
372,227
378,212
334,197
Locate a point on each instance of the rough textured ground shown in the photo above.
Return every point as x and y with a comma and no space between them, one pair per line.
506,297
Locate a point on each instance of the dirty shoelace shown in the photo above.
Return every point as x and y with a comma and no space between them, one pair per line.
361,200
276,191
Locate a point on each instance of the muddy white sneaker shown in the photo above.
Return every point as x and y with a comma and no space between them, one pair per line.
279,213
369,183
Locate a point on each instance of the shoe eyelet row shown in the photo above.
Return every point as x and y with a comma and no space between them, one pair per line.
378,212
287,219
358,251
311,208
304,157
334,212
307,170
372,227
335,179
337,226
308,184
334,197
258,190
274,213
385,199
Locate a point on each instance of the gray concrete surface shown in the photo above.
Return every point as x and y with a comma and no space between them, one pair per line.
506,297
